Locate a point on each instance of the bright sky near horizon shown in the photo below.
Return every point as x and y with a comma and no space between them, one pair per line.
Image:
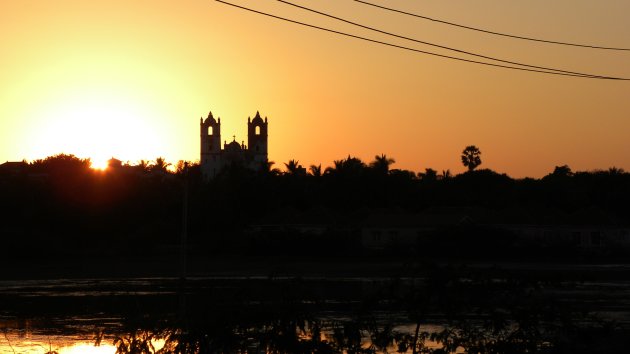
131,79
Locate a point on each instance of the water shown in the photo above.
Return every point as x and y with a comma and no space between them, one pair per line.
257,314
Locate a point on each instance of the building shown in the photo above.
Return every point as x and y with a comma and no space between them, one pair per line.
13,168
214,158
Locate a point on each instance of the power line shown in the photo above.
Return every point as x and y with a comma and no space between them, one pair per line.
432,44
488,31
421,51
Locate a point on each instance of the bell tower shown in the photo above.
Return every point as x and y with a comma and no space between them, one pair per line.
257,138
210,159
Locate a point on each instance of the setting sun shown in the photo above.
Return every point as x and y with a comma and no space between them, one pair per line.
97,124
98,164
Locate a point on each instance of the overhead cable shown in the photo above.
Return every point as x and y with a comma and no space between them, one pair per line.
429,43
491,32
588,76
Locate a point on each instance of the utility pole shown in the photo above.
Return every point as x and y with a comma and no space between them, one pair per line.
183,247
184,239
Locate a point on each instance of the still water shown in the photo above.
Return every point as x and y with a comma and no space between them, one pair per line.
37,344
260,314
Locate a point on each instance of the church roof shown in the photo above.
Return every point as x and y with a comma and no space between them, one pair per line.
233,146
210,118
257,118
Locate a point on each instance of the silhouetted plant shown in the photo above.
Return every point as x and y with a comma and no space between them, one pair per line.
315,170
351,167
616,171
61,164
381,164
429,175
294,168
160,165
562,171
144,165
471,157
268,169
140,342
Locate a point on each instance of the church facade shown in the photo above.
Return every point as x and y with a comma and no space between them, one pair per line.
214,158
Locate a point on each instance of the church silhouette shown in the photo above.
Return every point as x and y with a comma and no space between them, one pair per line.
214,158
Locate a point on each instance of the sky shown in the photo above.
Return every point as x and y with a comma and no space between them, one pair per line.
131,79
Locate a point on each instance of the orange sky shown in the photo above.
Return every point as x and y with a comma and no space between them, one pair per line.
131,78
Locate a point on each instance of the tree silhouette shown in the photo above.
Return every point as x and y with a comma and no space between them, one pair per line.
350,167
61,164
381,164
471,157
562,171
267,168
144,165
293,167
337,167
429,175
180,167
616,171
315,170
160,165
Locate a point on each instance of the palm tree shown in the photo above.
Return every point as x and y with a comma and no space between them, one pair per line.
144,165
293,167
353,164
337,167
181,166
349,167
160,165
267,169
429,175
315,170
471,157
381,164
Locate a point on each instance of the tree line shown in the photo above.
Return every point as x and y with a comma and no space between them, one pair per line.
61,203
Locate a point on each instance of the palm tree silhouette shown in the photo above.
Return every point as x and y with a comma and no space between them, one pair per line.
429,175
315,170
381,164
160,165
471,157
293,167
349,167
267,168
144,165
337,167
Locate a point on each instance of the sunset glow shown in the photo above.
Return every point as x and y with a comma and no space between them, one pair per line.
97,125
130,80
84,348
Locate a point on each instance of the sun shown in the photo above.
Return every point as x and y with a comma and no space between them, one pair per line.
99,163
98,124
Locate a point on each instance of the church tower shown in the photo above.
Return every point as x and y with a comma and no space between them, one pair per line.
213,158
210,146
257,138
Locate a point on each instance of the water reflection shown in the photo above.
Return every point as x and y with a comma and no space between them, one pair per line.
42,344
447,311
